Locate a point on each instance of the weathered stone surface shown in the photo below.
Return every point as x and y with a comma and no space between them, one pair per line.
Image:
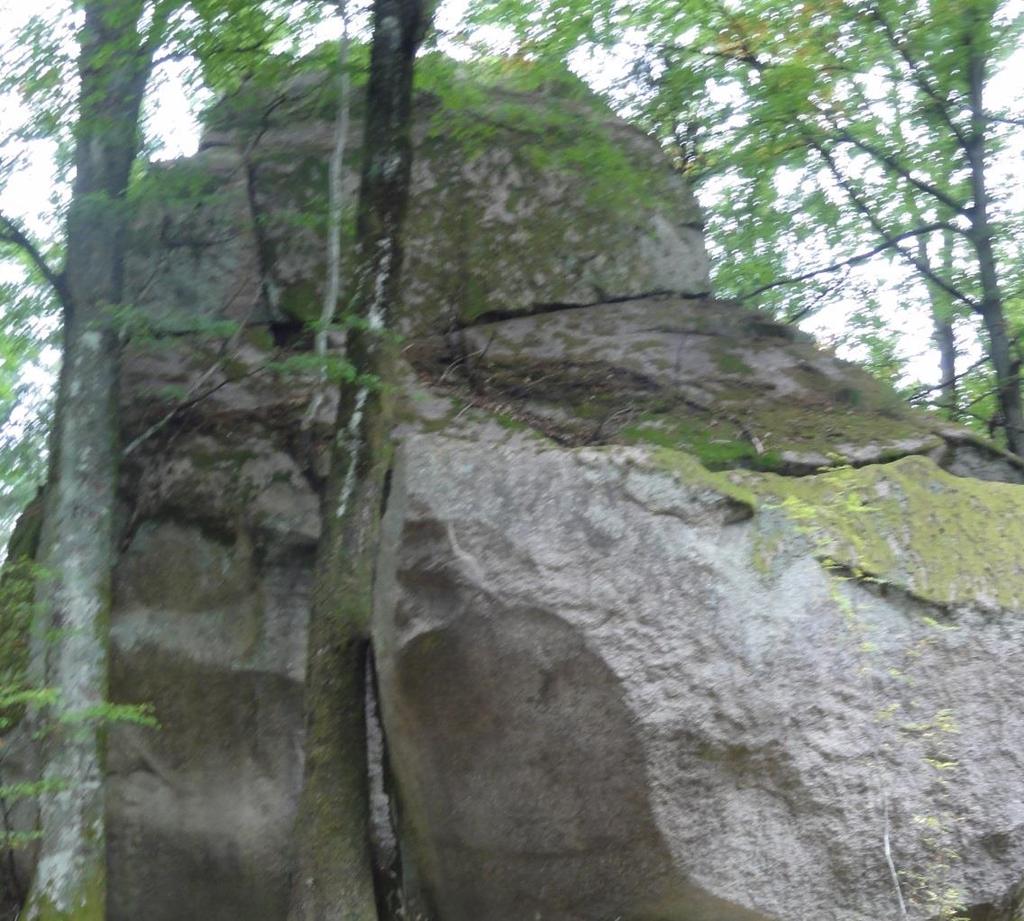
617,686
506,212
574,651
965,454
194,253
706,376
209,628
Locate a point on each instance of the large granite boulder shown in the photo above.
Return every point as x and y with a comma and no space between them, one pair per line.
614,684
610,686
617,686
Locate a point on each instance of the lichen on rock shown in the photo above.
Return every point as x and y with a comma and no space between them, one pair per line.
950,541
537,607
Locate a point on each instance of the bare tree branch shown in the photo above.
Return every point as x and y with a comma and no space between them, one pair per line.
889,243
894,165
828,290
858,201
919,392
940,101
192,398
183,54
1004,119
12,233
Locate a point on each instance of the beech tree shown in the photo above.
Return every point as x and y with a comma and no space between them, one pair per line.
333,876
116,53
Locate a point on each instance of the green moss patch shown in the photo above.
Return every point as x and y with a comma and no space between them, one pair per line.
731,363
739,424
301,302
718,445
89,906
691,472
947,540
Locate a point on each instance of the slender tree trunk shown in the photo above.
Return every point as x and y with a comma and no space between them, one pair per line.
335,210
991,305
944,337
114,64
333,875
943,334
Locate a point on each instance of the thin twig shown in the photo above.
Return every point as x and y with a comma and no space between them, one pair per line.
188,403
227,349
888,856
889,243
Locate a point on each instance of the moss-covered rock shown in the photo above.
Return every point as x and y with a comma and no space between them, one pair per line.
707,377
950,541
613,613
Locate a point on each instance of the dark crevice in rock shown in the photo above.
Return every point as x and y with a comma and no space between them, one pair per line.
385,492
798,468
682,331
539,309
384,841
264,249
291,335
592,403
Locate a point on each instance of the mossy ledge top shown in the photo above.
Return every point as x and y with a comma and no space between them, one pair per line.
949,541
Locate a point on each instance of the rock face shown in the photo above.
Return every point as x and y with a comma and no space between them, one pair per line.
211,605
617,686
637,659
728,385
517,200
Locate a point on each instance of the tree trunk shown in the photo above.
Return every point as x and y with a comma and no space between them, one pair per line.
943,313
944,337
991,306
333,876
77,553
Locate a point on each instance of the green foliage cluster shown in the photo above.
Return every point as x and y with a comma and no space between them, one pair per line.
27,329
839,146
487,98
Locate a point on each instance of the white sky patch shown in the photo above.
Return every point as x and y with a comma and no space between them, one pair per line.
172,112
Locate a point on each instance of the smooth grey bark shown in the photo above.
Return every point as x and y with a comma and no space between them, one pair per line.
943,313
335,208
114,63
944,337
991,307
333,875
